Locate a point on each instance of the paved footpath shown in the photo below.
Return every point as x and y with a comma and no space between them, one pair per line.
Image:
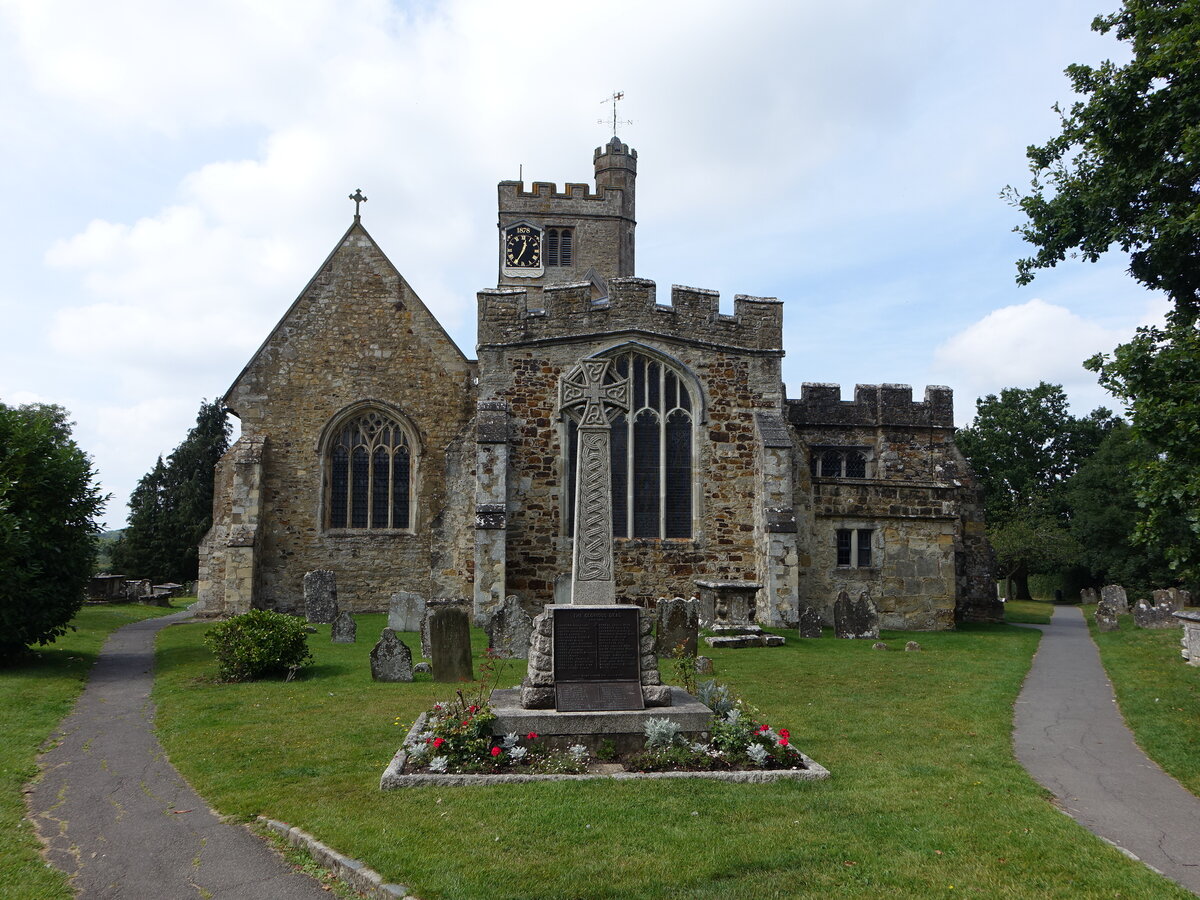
121,821
1071,737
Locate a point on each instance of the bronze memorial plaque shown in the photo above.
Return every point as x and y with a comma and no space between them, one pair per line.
597,659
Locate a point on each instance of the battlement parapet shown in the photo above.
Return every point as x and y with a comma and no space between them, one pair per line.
513,316
873,405
574,199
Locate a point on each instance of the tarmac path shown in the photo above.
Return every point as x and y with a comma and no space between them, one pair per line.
1069,734
120,820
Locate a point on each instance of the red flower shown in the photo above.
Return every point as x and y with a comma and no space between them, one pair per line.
762,728
473,709
784,733
532,736
783,742
437,742
495,751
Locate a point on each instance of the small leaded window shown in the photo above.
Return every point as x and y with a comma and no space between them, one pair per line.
559,246
838,462
853,546
652,460
369,468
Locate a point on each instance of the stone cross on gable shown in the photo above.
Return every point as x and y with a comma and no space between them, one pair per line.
599,401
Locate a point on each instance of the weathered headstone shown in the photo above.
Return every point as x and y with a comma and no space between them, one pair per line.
405,611
1114,596
598,396
1106,618
509,628
391,660
912,647
1089,595
879,645
704,665
1154,615
450,642
810,622
426,648
727,602
344,630
320,596
1184,598
855,619
1167,596
423,668
677,621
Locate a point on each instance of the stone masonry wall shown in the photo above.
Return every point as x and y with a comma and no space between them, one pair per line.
919,499
358,333
521,362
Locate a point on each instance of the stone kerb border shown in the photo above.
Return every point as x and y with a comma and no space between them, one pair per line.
394,777
349,871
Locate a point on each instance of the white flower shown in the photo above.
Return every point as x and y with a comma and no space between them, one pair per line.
578,752
517,753
438,764
510,740
757,754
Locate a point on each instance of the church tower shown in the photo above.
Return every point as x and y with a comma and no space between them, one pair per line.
548,236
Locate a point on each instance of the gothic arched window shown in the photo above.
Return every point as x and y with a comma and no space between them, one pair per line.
368,467
652,457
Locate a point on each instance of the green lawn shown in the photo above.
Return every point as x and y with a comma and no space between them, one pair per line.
1030,612
925,800
34,696
1158,693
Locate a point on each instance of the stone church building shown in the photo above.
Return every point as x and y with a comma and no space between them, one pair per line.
372,446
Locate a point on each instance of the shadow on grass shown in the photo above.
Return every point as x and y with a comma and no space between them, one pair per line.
49,662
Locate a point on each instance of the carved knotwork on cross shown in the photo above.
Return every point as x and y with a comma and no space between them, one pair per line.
584,386
587,388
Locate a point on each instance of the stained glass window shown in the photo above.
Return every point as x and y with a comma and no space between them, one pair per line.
369,474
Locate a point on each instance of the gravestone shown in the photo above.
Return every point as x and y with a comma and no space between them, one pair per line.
426,648
422,668
704,665
855,619
320,596
1106,618
727,602
509,629
344,630
810,622
450,642
1089,595
912,647
405,611
1114,596
1168,596
677,622
1154,615
1183,598
391,660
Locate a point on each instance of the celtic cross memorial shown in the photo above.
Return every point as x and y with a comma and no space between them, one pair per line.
598,398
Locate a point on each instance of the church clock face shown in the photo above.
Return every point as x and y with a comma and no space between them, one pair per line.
522,249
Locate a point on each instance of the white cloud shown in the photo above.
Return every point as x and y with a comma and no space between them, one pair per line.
1021,345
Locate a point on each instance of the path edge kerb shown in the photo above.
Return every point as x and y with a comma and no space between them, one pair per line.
352,872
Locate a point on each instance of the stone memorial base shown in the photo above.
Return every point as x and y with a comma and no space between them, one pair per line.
625,728
1191,635
736,637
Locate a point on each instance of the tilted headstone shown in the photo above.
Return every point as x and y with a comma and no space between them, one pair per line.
677,621
810,622
320,596
1114,595
391,660
1154,615
405,611
450,642
344,630
1106,618
509,628
855,619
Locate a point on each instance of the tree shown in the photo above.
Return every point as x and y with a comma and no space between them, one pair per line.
1024,446
1124,172
1104,512
48,503
170,510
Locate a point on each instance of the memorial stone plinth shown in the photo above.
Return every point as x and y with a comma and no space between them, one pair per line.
1191,635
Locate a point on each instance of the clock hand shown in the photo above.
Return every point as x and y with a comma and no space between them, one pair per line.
524,247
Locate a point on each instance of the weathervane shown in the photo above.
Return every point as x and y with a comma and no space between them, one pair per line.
358,198
617,95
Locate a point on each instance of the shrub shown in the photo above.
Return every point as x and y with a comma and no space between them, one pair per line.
259,643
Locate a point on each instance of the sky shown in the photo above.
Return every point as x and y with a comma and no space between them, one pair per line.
174,173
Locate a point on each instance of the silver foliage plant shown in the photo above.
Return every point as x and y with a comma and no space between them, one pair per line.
660,733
